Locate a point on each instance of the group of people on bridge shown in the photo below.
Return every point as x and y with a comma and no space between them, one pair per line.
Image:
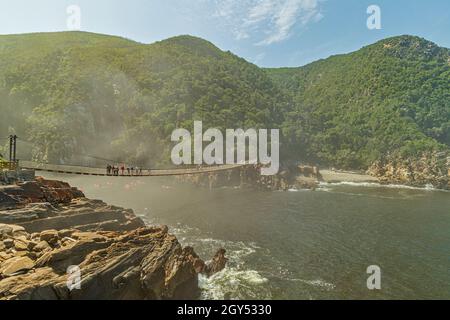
122,170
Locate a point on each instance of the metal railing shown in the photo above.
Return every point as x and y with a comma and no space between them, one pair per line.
9,165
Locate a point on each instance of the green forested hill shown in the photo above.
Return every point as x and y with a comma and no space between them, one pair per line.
392,97
77,93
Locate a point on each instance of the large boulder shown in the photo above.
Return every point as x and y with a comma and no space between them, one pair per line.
16,265
38,191
217,264
50,236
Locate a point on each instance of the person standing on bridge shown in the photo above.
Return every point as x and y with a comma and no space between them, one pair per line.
108,169
122,169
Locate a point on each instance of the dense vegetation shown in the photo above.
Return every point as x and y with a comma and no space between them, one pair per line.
392,97
77,94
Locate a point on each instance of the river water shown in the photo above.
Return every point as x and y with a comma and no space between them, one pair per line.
301,244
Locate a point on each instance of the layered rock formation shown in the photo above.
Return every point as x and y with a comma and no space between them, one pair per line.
56,244
431,169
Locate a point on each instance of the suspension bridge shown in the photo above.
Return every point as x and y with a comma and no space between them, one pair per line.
99,172
13,164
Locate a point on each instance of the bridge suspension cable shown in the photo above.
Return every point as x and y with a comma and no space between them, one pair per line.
87,171
92,171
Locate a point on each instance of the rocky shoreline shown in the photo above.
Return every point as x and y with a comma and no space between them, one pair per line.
430,170
423,173
52,236
249,176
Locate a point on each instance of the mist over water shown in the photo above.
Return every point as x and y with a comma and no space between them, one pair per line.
300,244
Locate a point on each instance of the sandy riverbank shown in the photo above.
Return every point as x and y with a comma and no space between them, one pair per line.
331,176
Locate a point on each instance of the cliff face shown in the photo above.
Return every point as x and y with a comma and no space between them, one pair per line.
249,176
51,236
430,169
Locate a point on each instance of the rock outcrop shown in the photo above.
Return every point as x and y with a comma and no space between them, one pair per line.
56,244
37,191
42,204
249,176
147,263
431,169
217,264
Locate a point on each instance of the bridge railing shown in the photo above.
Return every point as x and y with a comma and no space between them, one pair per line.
66,169
9,165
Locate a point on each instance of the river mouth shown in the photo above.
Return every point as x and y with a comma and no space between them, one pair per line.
300,244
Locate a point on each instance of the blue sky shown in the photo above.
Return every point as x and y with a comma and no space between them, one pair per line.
270,33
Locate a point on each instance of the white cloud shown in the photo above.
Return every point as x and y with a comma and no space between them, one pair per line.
268,21
260,11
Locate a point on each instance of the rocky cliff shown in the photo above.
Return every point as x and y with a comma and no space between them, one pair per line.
249,176
431,169
56,244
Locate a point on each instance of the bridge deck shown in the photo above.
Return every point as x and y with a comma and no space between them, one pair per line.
76,170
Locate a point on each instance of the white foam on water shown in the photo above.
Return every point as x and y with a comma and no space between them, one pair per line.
324,189
298,190
236,251
234,284
236,281
428,187
317,283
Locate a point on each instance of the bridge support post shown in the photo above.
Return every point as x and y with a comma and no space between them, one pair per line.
14,148
10,147
13,152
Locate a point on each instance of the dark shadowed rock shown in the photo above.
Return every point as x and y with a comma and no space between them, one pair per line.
6,201
217,264
39,191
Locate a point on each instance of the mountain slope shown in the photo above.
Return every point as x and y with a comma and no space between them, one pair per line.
90,94
390,97
75,94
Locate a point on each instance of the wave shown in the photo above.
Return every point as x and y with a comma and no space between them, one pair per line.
237,281
316,283
234,284
324,186
298,190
